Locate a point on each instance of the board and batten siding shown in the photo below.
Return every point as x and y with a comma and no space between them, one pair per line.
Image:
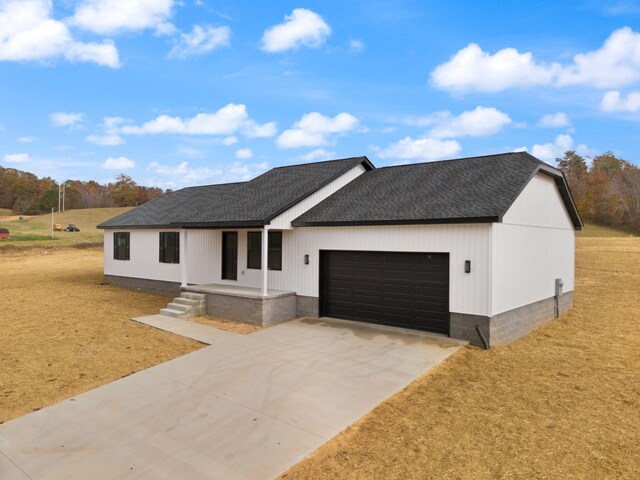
534,245
469,292
283,221
144,257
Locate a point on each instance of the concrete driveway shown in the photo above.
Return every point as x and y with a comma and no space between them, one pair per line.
244,407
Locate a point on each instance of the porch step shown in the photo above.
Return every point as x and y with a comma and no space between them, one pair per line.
193,296
188,304
170,312
186,301
179,307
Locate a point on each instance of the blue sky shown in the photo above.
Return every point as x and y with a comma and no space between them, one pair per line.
178,93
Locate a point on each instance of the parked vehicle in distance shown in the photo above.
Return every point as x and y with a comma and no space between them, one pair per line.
72,228
4,233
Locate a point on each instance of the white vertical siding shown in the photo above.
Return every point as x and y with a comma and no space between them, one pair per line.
540,205
533,246
283,221
202,247
144,253
469,292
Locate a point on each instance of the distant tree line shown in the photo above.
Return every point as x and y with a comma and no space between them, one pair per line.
606,192
25,193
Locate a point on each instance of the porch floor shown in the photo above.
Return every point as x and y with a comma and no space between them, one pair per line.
236,291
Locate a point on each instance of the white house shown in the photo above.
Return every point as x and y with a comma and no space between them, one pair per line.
472,248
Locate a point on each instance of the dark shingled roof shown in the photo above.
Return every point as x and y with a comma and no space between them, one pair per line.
468,190
252,203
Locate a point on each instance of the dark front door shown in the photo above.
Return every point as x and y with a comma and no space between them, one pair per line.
408,290
230,255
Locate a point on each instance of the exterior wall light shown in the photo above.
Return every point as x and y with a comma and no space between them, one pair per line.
306,259
467,266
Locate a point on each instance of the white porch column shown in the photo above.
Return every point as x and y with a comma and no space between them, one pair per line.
265,260
183,258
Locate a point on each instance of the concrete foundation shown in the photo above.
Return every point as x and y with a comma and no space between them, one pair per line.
507,326
254,310
144,284
307,306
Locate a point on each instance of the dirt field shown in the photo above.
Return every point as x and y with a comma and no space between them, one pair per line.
62,333
561,403
226,325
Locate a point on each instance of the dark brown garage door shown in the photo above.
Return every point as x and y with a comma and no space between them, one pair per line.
401,289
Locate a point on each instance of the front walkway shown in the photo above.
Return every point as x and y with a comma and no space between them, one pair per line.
244,407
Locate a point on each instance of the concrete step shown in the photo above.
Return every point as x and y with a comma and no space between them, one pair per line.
170,312
187,301
179,307
193,295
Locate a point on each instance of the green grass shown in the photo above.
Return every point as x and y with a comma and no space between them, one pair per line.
36,231
598,231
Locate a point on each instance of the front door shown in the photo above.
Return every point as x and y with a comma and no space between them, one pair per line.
230,255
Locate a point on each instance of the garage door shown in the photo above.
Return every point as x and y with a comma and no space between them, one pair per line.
401,289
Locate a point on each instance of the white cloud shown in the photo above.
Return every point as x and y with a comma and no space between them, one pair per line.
227,141
66,119
28,33
200,40
313,129
228,120
107,140
115,16
615,64
120,163
256,130
613,101
356,46
175,176
548,152
27,139
244,153
317,154
472,69
16,157
302,28
480,122
421,149
111,136
554,120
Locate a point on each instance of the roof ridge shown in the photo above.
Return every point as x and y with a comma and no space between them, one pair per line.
465,158
211,185
320,161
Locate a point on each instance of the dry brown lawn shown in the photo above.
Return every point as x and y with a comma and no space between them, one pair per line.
223,324
62,332
560,403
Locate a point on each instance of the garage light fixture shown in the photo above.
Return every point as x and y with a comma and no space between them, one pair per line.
467,266
306,259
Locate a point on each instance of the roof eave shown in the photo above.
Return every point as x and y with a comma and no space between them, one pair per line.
422,221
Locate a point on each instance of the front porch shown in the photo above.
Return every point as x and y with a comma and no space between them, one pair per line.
247,304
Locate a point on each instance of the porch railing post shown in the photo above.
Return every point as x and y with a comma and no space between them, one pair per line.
183,258
265,261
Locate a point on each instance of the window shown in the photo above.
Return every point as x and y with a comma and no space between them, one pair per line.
169,247
121,245
254,250
274,260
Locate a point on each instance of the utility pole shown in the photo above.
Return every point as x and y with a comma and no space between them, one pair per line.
52,221
61,195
